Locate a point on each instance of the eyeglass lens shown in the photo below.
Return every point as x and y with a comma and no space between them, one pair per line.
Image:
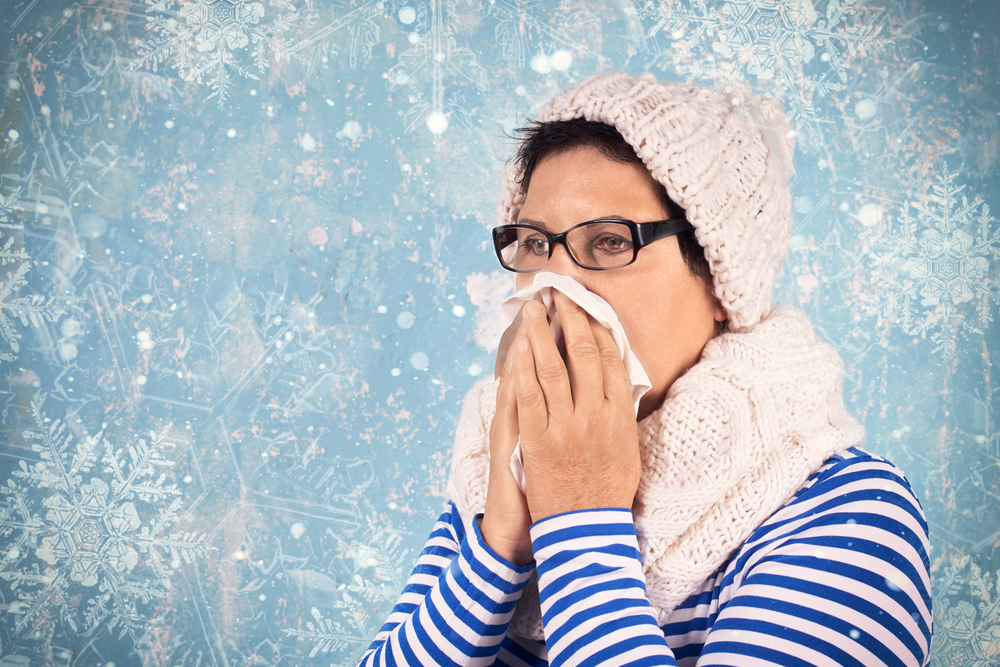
596,245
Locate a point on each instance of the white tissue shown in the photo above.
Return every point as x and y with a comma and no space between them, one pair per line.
541,290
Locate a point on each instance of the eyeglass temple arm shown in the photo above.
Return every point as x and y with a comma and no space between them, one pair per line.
654,231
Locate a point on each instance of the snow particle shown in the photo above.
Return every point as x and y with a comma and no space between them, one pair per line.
405,319
419,361
866,108
407,15
541,63
561,60
67,351
437,122
352,129
870,214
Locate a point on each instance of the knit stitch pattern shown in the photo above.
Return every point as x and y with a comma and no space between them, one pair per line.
717,158
736,436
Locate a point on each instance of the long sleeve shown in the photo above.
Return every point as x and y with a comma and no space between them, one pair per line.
456,605
592,591
839,577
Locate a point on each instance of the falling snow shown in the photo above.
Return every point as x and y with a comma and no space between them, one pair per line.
793,50
434,60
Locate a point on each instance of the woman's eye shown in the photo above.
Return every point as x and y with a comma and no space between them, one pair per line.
535,245
613,243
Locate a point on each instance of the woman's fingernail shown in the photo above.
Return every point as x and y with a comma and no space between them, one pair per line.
533,308
522,345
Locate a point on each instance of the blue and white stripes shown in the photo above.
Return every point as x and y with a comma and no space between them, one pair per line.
838,576
592,590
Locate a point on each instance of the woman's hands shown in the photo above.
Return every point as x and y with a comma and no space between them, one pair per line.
579,442
575,420
506,518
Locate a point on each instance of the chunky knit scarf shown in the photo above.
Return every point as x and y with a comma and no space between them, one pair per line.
737,435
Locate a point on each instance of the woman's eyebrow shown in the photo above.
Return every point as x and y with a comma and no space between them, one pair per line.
539,223
533,223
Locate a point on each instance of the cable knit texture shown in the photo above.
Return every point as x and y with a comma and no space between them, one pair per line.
736,436
716,156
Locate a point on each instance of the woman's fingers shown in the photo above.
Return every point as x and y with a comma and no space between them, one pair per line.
583,359
504,429
549,369
532,412
616,383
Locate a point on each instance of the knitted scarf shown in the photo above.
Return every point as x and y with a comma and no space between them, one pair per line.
736,436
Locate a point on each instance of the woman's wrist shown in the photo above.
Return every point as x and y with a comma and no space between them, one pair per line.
505,548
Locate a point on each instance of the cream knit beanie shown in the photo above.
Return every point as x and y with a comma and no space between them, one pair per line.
717,158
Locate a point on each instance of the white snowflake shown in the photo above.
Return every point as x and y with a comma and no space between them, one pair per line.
32,309
73,529
966,615
434,60
768,44
930,269
204,38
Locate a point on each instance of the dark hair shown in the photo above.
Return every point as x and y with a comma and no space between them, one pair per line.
539,139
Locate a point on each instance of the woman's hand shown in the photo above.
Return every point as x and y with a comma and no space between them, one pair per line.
506,518
579,442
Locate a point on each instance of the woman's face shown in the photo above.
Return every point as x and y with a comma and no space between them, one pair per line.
667,312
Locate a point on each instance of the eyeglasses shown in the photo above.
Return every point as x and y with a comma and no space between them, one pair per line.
598,244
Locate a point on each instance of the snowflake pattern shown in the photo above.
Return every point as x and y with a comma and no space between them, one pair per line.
966,634
737,43
32,309
944,264
434,56
204,37
87,531
383,552
578,30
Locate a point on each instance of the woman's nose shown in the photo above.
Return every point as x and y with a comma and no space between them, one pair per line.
560,262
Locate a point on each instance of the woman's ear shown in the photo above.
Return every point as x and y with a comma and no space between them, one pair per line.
720,312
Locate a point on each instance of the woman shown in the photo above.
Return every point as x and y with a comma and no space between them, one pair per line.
734,520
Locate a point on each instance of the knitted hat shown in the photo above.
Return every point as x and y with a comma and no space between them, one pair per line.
715,156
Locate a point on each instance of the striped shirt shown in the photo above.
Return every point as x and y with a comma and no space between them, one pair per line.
837,576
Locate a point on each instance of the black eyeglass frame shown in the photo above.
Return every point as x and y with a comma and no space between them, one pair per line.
643,233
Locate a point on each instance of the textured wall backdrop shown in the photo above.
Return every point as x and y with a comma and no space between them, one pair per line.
245,281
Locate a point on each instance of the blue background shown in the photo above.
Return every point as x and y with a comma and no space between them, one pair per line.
246,280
